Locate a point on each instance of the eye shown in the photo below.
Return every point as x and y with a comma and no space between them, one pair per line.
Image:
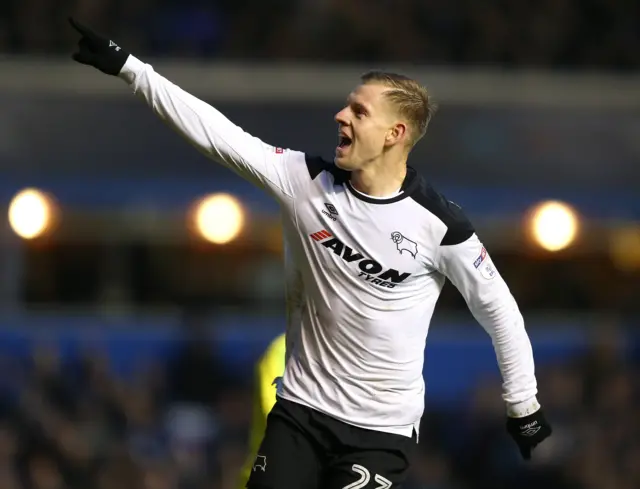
358,110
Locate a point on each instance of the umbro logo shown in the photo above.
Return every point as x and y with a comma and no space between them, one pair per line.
531,431
114,45
333,212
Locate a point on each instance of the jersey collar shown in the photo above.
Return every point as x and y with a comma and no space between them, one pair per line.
410,183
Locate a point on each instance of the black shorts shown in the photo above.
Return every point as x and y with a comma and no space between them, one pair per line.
305,449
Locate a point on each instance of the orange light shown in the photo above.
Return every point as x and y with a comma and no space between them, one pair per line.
219,218
554,225
31,213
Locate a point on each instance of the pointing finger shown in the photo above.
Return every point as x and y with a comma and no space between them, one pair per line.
79,27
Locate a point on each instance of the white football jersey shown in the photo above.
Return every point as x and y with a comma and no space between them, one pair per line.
364,274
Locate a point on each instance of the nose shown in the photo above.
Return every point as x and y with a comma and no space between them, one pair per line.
341,117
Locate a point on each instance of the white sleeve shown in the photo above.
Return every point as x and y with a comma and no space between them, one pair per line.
471,270
295,299
275,169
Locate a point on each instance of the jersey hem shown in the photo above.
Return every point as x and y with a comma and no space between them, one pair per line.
403,430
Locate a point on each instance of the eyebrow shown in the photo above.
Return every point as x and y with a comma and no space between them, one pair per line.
358,105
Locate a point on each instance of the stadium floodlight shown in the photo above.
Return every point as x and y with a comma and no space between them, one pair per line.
219,218
554,225
31,213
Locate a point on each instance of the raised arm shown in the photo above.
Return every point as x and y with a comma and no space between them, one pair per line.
274,169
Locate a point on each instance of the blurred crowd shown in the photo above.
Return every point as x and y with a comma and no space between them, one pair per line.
565,33
183,425
77,424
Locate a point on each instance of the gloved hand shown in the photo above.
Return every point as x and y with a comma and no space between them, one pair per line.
529,431
97,51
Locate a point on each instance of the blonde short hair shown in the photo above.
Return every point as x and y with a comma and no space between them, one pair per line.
411,100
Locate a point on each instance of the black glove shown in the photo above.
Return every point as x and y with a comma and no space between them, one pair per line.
529,431
97,51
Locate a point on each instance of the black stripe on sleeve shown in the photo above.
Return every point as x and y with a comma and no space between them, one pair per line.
316,165
459,228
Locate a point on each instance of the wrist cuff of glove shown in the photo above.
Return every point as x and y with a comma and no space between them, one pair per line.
131,69
523,409
115,62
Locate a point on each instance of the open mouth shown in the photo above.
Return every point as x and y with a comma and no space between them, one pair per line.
344,141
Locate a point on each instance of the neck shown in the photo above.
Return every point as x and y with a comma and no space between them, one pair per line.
380,178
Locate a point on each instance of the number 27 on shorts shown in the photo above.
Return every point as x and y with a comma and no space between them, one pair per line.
365,477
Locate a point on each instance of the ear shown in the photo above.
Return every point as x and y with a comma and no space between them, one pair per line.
396,134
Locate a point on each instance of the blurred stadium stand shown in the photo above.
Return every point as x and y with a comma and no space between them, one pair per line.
104,382
556,33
